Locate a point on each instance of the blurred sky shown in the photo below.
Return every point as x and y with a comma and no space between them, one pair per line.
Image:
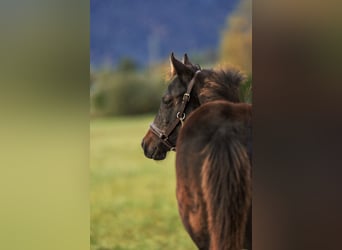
149,30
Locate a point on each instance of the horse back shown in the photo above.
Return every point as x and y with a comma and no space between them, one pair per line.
207,127
204,122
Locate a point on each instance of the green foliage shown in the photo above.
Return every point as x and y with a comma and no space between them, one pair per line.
132,198
125,92
99,100
127,65
245,90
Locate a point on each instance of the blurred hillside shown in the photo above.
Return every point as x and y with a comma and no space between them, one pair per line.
146,31
121,86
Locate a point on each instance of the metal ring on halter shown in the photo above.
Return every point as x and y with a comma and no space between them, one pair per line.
180,118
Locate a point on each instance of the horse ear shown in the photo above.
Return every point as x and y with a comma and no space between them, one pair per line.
186,60
172,68
178,67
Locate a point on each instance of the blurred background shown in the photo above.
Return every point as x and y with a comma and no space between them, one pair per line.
132,198
45,58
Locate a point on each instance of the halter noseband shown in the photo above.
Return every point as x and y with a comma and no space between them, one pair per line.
180,117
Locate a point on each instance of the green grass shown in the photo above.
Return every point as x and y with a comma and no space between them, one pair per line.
132,198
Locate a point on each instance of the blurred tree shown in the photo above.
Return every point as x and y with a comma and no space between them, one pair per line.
245,90
125,93
236,41
127,64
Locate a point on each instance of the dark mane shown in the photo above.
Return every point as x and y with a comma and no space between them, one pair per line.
220,85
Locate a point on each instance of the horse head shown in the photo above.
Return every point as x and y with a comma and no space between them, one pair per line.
176,104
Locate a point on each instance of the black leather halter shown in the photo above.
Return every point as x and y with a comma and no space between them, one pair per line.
180,117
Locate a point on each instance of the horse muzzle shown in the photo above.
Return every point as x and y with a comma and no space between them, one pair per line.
152,147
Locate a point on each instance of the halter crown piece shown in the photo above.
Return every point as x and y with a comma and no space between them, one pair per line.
180,117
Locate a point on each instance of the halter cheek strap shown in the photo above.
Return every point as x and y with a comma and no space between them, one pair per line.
180,117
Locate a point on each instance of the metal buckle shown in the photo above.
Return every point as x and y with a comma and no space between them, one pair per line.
186,96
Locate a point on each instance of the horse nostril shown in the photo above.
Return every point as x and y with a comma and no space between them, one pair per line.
143,143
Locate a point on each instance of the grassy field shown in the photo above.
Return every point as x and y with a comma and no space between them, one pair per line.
132,198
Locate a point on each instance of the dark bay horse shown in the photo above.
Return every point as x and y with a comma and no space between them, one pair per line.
201,116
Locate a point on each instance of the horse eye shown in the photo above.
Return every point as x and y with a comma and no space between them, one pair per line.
167,99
